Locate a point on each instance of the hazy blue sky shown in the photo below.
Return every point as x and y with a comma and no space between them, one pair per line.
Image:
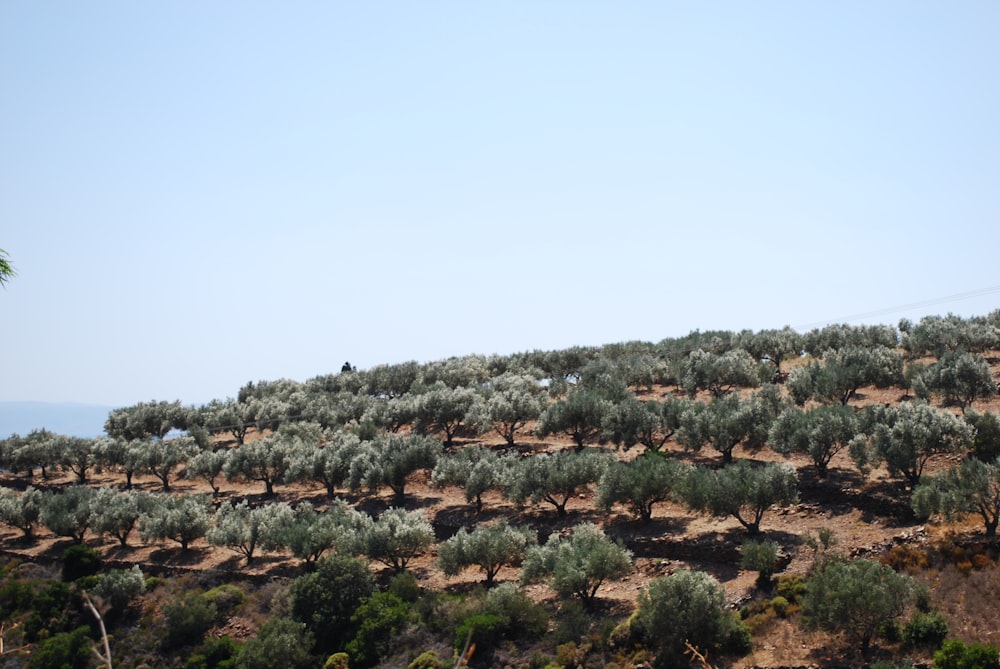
199,194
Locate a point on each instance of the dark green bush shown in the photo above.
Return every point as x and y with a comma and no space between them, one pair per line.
79,561
281,643
66,650
378,619
50,610
217,653
485,629
326,599
926,629
188,620
955,654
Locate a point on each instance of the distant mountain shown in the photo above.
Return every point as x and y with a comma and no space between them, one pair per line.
77,420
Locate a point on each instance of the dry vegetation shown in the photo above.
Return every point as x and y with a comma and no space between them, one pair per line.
869,516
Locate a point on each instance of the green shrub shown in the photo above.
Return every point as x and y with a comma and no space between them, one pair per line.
573,622
405,587
485,630
780,606
426,660
281,643
687,606
378,619
217,653
49,610
791,587
955,654
225,597
66,650
326,599
188,620
337,661
522,617
79,561
926,629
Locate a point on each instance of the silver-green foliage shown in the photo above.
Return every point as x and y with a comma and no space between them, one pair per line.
971,487
21,510
311,533
684,607
389,460
67,513
179,519
246,529
579,564
475,469
821,433
907,436
118,587
958,377
856,598
117,512
742,490
553,477
488,547
396,537
641,483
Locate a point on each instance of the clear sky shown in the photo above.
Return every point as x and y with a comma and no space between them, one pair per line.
200,194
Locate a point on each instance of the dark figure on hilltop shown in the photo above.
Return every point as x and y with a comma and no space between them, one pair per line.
347,368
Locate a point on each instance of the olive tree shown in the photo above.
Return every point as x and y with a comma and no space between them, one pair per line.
729,421
641,483
67,513
117,512
856,598
971,487
396,537
208,464
553,477
160,457
441,409
576,566
720,374
489,547
389,460
21,510
76,454
329,464
839,336
770,346
33,451
686,607
742,490
179,519
907,436
958,377
843,372
580,415
147,420
245,529
267,459
650,423
310,534
475,469
821,433
508,403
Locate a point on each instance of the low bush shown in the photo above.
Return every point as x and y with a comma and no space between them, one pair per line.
926,630
955,654
79,561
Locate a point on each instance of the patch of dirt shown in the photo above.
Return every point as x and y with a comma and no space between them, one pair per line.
867,516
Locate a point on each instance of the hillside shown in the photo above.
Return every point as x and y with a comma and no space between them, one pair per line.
868,515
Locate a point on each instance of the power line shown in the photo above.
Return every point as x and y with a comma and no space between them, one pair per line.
905,307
